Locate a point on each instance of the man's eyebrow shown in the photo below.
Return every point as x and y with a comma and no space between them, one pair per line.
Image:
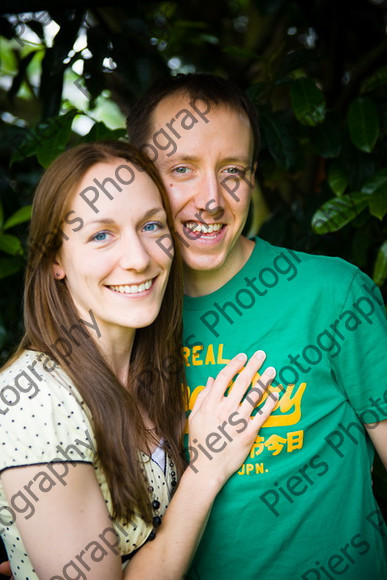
237,159
194,158
181,158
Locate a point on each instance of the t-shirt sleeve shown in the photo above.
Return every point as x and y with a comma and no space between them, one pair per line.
361,366
42,417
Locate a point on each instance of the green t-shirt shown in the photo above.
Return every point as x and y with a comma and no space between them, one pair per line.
301,506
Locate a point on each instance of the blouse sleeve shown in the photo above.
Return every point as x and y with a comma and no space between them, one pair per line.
42,416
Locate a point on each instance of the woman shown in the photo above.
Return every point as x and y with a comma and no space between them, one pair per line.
91,418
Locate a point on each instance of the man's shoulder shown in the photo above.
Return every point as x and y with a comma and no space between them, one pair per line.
316,266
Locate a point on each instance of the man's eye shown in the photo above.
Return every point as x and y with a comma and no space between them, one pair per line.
235,171
181,170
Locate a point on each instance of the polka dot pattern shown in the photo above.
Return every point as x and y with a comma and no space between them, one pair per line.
44,419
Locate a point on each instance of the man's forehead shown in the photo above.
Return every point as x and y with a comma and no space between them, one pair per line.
177,104
185,128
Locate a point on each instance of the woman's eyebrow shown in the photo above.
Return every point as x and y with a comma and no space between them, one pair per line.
150,212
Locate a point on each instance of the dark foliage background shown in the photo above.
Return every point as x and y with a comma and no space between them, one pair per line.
316,71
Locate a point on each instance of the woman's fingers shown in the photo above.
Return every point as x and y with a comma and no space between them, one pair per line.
245,378
214,393
201,397
259,387
226,375
264,412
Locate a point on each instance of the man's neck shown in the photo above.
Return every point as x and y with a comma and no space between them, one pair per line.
202,282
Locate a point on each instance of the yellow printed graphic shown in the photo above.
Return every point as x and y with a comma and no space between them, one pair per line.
196,355
290,400
276,443
249,468
286,412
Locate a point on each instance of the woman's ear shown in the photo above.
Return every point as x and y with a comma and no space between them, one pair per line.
58,271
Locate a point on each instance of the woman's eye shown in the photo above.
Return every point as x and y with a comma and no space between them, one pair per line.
100,237
153,226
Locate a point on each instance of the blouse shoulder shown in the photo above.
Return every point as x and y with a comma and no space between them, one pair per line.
42,414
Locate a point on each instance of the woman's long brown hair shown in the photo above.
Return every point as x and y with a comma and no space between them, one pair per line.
155,367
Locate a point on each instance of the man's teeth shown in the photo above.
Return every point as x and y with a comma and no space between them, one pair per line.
203,228
133,288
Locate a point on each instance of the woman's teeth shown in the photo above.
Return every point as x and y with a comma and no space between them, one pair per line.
133,288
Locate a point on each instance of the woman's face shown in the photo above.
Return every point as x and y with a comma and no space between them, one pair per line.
110,258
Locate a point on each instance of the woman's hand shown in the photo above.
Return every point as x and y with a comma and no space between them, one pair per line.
5,569
221,434
221,428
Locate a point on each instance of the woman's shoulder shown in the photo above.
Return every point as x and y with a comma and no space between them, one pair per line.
40,408
33,372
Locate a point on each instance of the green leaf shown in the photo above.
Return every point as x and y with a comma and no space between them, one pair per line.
26,146
378,204
100,131
376,184
363,124
378,79
308,102
295,60
337,212
358,166
280,139
380,268
55,144
361,243
257,91
9,266
47,140
326,138
10,244
337,178
20,216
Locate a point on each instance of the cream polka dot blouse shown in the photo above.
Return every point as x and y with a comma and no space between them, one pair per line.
43,421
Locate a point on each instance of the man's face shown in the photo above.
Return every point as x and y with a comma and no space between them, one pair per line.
209,179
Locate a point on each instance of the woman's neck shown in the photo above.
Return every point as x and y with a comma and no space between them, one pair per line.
117,352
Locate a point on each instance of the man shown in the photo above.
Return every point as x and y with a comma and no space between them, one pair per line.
304,493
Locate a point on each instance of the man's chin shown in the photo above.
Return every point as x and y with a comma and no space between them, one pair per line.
204,263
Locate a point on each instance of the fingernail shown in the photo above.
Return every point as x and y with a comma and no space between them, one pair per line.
271,371
241,356
260,354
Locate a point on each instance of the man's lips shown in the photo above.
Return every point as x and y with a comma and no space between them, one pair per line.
131,288
202,228
195,230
